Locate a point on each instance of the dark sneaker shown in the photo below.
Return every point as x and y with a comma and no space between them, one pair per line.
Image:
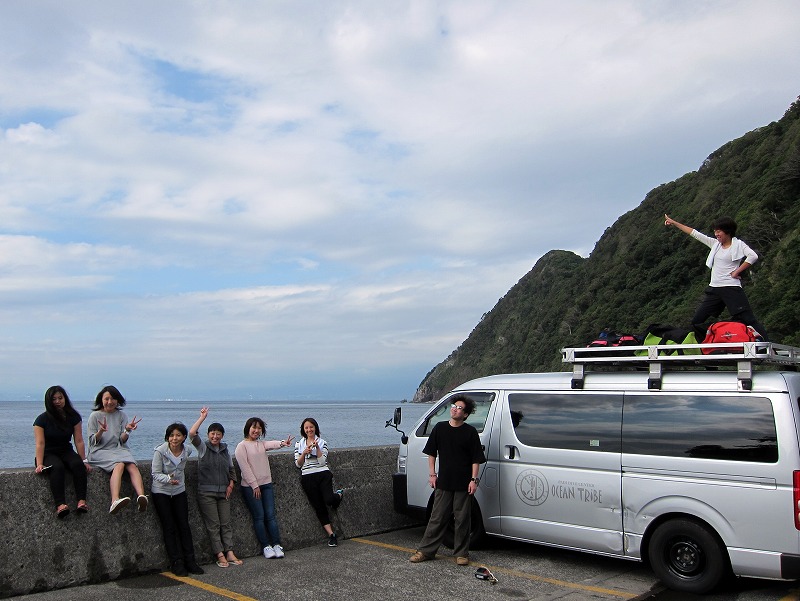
192,567
332,542
178,568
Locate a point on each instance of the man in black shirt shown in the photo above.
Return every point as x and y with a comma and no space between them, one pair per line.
458,447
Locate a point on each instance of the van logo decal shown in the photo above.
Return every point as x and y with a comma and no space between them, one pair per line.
532,487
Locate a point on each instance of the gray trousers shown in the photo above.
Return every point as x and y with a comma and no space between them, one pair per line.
447,504
216,512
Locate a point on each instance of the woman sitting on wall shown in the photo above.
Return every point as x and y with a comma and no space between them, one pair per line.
53,432
109,431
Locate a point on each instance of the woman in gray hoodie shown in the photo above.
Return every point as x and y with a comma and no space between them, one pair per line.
169,496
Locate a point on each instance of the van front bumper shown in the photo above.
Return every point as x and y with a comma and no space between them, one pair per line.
400,493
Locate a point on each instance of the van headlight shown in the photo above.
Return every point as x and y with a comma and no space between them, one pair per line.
401,465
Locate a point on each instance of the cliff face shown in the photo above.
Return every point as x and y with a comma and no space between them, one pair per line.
641,273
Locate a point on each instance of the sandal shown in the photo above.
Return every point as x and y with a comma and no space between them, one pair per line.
83,507
62,511
221,561
234,560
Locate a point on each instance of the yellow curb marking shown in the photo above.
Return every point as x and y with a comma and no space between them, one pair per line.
508,572
208,587
793,595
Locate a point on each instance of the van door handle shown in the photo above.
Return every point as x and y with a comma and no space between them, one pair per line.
511,451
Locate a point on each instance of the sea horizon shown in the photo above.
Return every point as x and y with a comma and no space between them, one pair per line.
343,423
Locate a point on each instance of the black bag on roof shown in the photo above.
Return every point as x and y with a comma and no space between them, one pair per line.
613,341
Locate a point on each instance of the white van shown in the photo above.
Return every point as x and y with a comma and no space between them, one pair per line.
690,463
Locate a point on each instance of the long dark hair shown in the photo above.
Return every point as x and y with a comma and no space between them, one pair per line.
61,418
115,394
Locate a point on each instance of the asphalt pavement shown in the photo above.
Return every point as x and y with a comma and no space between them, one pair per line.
377,567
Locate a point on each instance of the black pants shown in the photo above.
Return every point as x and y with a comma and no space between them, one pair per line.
173,513
319,490
714,300
61,463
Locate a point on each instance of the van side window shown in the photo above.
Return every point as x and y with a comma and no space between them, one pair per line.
735,428
584,422
483,403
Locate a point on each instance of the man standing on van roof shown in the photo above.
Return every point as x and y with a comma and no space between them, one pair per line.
458,447
728,259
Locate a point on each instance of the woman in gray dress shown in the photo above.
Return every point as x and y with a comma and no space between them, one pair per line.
109,430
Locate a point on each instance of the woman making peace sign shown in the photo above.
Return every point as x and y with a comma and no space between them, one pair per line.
109,430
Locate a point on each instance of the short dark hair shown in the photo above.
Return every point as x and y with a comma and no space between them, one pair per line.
725,224
175,426
250,422
216,427
469,404
303,423
115,394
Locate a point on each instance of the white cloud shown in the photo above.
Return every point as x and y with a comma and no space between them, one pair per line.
336,187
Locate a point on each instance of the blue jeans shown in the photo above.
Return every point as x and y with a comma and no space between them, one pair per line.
265,521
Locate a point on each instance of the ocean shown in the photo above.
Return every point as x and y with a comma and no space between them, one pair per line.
343,424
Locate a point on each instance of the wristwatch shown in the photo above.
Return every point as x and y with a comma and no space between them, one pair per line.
475,480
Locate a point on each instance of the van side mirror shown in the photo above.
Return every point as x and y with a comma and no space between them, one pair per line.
395,421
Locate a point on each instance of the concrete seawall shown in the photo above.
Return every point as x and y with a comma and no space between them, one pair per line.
41,552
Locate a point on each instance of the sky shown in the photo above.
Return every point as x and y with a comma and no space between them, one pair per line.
320,199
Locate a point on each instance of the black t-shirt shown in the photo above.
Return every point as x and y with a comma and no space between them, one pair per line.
57,439
457,448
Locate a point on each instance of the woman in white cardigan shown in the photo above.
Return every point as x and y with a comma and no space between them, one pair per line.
728,258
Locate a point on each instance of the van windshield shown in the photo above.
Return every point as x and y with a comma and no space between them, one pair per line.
483,402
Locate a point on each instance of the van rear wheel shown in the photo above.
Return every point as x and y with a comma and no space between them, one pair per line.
477,534
687,556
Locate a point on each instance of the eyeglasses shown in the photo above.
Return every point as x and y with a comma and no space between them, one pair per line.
459,407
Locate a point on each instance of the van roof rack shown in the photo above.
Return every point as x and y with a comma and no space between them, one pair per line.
656,357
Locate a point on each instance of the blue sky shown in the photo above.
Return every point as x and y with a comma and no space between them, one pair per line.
319,199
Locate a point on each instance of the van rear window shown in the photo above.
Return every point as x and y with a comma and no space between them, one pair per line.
734,428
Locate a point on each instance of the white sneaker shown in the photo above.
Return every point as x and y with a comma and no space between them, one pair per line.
119,504
278,551
269,552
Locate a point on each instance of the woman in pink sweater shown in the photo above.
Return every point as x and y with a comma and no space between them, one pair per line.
251,455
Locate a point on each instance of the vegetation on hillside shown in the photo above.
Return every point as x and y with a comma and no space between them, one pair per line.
641,272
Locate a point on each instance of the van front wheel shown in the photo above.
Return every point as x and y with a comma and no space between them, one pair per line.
687,556
477,534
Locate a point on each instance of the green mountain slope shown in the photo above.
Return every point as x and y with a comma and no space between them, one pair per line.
641,272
